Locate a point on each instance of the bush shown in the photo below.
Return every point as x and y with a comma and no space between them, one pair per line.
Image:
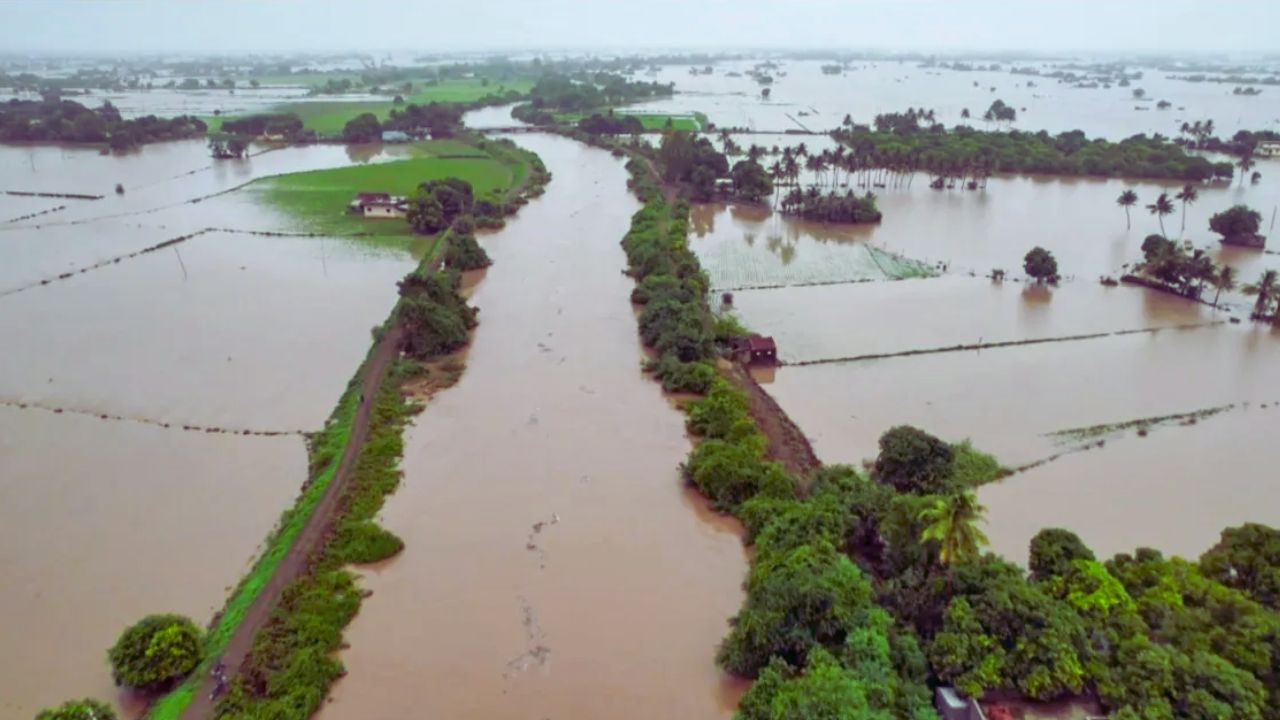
463,252
721,414
809,597
1053,550
913,461
1236,220
678,376
731,472
155,652
86,709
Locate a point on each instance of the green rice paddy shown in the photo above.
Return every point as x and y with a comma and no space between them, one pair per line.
651,121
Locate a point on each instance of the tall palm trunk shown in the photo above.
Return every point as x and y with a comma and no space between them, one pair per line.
1128,225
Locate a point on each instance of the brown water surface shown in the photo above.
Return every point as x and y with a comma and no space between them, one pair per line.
555,564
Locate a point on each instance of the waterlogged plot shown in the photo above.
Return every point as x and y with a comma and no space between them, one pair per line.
862,320
747,247
226,330
104,522
1010,400
1173,489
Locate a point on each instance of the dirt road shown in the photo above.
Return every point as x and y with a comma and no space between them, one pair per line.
297,559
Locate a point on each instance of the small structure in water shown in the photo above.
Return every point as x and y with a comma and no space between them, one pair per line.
757,350
379,205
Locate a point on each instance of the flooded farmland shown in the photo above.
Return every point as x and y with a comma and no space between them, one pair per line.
555,564
223,333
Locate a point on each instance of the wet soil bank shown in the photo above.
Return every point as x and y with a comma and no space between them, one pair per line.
555,563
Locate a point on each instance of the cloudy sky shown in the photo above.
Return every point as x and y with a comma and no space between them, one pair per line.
1137,26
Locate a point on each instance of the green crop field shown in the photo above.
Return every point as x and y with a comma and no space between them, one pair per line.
327,116
651,121
319,198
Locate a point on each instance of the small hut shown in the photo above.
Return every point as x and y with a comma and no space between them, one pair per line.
757,350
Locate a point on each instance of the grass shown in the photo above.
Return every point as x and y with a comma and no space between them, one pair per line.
1141,425
318,199
651,121
327,116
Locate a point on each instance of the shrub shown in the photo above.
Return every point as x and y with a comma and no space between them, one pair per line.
678,376
721,413
808,597
731,472
464,253
971,467
1236,220
86,709
156,651
912,460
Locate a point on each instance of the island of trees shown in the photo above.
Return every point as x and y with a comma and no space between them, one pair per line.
70,122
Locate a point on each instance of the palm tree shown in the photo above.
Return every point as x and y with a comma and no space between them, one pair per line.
1127,199
1161,207
953,522
1224,280
1267,289
1188,194
1246,162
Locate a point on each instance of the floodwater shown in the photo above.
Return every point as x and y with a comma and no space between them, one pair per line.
105,520
495,116
803,98
974,231
555,564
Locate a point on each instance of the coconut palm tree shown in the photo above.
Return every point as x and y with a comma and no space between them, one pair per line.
1161,207
1127,199
1187,195
952,521
1224,280
1267,289
1246,162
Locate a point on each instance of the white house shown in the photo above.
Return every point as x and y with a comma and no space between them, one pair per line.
379,205
1268,148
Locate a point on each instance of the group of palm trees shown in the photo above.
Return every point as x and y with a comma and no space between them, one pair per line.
1266,289
866,166
1162,206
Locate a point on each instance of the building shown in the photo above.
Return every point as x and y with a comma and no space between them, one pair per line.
757,350
379,205
1268,148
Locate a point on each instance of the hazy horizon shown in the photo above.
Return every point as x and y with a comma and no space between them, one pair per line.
139,27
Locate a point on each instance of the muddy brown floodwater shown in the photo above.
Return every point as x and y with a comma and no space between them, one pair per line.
555,564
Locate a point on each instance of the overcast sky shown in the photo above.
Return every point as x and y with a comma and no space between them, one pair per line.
226,26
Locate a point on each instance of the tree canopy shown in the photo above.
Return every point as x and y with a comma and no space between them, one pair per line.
156,651
1040,264
86,709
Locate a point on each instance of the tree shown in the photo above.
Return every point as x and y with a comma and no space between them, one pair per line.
1187,195
155,652
826,690
1161,207
1246,162
86,709
1247,558
1127,199
913,461
1238,223
1052,552
765,93
1139,93
1224,280
952,522
1040,264
750,181
1267,289
363,128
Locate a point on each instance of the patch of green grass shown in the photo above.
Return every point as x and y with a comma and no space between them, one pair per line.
327,116
650,121
319,198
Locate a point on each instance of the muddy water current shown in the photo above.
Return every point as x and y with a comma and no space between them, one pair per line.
109,509
555,564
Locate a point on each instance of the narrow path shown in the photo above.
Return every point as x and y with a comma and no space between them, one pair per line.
298,559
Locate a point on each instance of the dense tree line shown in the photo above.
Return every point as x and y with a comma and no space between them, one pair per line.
68,121
969,155
286,125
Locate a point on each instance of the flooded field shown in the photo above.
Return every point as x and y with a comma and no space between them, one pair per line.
1077,219
555,565
802,97
223,333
